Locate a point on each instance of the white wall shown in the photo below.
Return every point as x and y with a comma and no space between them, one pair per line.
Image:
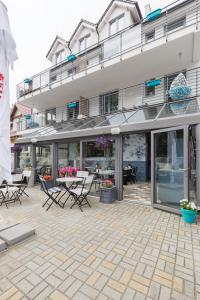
93,39
104,28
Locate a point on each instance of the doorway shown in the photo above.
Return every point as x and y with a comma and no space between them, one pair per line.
169,169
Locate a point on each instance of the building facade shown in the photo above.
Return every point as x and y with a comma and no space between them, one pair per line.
135,83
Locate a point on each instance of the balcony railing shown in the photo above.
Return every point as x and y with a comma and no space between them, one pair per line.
173,19
130,98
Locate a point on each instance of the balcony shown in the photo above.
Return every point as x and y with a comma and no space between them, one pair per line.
175,22
137,103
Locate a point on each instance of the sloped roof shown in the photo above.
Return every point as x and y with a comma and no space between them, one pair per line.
82,21
122,1
24,110
57,39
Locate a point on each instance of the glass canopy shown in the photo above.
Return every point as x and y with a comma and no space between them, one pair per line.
142,114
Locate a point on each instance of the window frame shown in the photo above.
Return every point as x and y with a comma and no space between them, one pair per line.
175,24
73,112
105,103
84,40
147,90
147,40
115,20
57,56
52,113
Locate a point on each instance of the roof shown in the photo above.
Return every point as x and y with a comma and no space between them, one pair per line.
79,24
57,38
24,110
122,1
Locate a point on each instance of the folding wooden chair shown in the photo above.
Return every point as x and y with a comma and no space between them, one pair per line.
51,192
80,193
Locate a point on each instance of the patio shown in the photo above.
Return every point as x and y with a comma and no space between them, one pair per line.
117,251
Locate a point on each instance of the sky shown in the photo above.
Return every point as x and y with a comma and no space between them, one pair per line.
35,24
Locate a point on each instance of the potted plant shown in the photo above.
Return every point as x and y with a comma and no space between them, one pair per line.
108,192
188,211
49,181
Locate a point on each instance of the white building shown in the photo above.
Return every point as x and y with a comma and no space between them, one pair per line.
116,74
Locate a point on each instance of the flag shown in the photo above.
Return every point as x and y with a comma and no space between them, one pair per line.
7,56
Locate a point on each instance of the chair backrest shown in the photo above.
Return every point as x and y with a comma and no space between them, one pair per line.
43,184
89,181
17,177
82,174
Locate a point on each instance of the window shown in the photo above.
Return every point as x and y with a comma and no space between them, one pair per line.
72,110
149,36
168,81
116,24
50,116
60,56
149,90
91,150
84,42
71,71
109,102
175,24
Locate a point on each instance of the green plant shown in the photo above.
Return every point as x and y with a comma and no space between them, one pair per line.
107,184
185,204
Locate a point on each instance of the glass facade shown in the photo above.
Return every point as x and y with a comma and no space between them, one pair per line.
169,167
44,159
69,155
23,158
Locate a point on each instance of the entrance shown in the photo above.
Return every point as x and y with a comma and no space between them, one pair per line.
137,167
169,170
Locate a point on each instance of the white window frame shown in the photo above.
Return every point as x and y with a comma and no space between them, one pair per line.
57,55
115,20
84,39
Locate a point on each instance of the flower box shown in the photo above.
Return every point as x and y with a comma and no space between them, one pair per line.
27,80
108,195
154,15
153,83
71,57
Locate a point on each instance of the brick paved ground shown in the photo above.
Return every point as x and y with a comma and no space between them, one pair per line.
118,251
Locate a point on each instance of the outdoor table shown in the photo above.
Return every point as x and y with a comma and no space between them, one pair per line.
71,181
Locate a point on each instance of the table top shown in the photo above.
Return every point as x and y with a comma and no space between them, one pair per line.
105,172
69,179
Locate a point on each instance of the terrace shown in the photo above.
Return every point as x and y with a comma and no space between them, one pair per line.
124,252
130,42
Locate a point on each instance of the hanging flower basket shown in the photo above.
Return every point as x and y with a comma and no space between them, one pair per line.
103,142
16,148
71,57
154,15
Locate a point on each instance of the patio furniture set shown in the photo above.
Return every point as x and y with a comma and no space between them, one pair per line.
75,189
11,192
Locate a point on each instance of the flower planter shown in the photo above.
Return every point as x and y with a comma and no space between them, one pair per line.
108,195
189,216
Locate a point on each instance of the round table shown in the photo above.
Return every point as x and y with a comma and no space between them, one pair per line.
71,181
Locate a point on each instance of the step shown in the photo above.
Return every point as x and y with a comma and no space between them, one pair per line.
6,226
17,234
3,245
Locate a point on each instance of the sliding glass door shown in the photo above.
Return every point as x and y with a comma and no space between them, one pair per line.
169,167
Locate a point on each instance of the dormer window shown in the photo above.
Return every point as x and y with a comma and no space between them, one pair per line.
60,56
116,24
84,42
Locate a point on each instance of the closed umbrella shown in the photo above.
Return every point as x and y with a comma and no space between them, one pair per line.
7,56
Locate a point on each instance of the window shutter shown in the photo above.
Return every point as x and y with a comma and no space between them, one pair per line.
84,107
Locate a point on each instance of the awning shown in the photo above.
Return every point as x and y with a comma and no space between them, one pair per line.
144,118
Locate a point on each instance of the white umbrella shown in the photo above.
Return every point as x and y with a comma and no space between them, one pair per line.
7,56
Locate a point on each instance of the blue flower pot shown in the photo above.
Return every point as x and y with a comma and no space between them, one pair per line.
189,216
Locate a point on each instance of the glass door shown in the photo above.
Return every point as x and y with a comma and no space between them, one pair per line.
169,167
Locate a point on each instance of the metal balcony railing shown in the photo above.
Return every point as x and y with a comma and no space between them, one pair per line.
105,106
174,18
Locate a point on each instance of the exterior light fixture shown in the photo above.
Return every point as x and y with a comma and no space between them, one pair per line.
34,140
115,130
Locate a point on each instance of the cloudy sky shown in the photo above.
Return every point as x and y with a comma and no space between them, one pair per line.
35,23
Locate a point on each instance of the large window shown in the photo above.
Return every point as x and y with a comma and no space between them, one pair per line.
50,116
84,42
60,56
116,24
149,90
109,102
72,110
69,155
175,24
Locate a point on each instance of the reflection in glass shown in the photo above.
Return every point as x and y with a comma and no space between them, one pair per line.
69,155
169,168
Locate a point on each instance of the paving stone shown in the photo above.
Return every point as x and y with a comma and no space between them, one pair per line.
24,286
16,234
56,295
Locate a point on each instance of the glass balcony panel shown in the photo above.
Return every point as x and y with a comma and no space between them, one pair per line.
145,114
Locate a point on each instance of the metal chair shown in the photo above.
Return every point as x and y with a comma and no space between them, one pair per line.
80,193
51,192
9,194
